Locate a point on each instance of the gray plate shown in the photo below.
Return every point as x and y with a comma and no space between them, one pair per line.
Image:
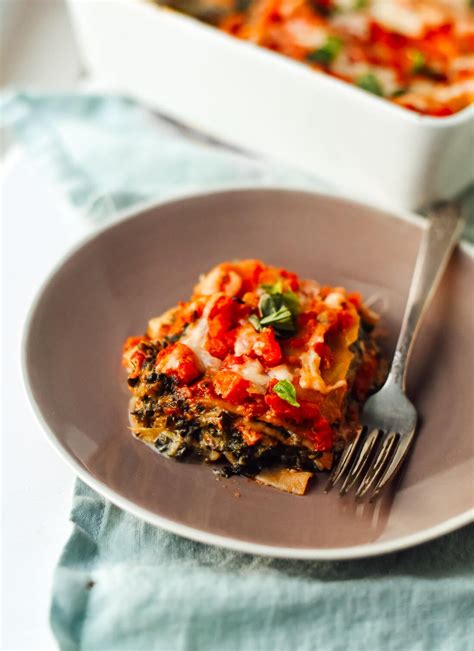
109,287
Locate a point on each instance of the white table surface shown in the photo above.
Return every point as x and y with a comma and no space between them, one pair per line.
36,484
37,50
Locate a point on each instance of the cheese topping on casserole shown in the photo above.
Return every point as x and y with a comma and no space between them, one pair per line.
259,369
416,53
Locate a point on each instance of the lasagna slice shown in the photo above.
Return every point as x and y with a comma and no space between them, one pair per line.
260,371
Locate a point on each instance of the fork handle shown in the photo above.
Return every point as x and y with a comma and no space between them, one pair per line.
445,222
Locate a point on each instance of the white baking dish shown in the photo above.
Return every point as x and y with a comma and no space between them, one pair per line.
266,103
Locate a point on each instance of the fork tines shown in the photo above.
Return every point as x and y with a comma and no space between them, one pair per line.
369,462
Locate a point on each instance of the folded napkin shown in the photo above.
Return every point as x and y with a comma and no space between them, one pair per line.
124,585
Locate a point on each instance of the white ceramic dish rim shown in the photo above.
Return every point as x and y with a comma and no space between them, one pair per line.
313,553
465,115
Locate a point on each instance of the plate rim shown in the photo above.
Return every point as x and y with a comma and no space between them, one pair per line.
198,535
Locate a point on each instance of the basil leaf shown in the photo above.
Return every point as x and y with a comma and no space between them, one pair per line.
399,92
420,67
280,319
326,54
286,391
370,83
255,321
292,302
278,310
268,305
276,288
278,298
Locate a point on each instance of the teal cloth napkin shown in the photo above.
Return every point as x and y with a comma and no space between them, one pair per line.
123,585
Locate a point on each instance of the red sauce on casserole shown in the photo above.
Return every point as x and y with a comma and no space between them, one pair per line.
418,54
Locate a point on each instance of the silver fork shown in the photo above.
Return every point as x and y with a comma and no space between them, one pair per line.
388,418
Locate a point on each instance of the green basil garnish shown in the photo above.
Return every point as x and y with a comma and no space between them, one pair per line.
292,302
370,83
255,321
280,319
286,391
278,309
326,54
276,288
399,92
420,67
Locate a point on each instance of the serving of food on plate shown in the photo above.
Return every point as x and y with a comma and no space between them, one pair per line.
418,54
260,369
261,375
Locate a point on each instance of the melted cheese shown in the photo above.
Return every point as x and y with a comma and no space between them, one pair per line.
254,372
305,34
219,279
335,300
195,338
245,340
311,375
280,373
408,17
356,23
170,363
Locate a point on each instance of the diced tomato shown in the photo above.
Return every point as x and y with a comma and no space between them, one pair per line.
309,410
343,320
131,342
220,347
250,271
356,299
232,23
235,360
325,353
322,436
224,315
441,111
217,347
282,409
292,279
306,318
306,325
250,436
179,361
255,406
269,350
251,299
378,34
230,386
